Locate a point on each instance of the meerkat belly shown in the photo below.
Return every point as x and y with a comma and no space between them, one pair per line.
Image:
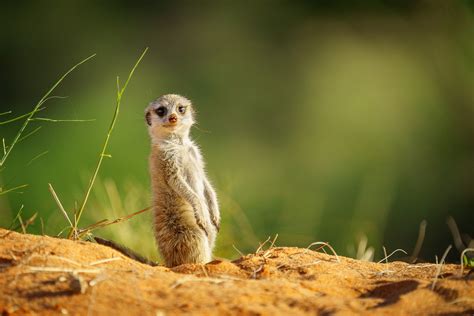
173,212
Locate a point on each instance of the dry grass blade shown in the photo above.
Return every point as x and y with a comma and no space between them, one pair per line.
106,222
37,157
324,244
265,255
204,279
391,254
58,202
12,189
12,225
22,225
30,221
236,249
440,266
104,261
262,244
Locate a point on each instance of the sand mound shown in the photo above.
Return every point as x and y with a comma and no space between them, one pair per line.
45,275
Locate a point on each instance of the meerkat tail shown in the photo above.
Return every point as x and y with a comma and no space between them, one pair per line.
125,251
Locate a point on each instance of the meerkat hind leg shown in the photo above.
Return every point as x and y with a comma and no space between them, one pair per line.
187,247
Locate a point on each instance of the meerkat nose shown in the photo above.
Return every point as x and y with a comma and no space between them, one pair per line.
173,118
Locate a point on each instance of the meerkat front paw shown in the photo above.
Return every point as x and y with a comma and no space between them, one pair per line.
203,226
201,222
216,223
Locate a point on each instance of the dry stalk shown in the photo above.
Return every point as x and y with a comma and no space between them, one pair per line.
182,281
93,263
392,253
262,244
324,244
34,269
240,252
440,266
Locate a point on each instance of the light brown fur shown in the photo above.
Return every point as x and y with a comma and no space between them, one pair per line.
186,213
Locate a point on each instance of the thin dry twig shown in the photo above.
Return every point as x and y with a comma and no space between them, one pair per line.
93,263
98,279
190,279
424,265
30,221
236,249
256,271
106,222
262,244
299,265
46,257
58,202
265,255
204,270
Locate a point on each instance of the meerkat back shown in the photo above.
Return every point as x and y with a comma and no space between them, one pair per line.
186,212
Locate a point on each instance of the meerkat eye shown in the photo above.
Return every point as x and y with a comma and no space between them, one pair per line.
181,109
161,111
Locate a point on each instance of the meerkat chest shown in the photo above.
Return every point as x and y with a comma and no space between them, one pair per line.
193,166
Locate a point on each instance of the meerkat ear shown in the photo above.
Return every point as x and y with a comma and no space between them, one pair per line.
148,118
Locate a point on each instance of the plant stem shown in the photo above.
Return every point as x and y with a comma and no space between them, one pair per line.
78,214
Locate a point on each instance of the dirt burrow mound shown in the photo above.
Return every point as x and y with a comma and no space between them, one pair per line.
45,275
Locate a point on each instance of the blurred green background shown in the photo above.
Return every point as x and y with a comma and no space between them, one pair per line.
319,120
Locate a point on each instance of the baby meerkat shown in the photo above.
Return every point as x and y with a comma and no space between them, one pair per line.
186,212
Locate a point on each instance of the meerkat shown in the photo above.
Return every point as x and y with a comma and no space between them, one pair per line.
186,211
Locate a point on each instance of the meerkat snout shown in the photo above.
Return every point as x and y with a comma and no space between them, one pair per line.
173,118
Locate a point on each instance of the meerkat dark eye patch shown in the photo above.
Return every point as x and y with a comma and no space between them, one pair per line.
148,118
161,111
181,109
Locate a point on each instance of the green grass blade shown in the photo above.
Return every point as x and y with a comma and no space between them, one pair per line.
45,119
37,157
36,109
12,189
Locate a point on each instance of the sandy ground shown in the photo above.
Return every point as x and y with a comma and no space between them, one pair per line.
50,276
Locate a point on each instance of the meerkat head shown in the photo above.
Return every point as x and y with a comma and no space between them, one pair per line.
169,114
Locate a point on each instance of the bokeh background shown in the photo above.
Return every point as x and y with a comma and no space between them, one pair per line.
339,121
